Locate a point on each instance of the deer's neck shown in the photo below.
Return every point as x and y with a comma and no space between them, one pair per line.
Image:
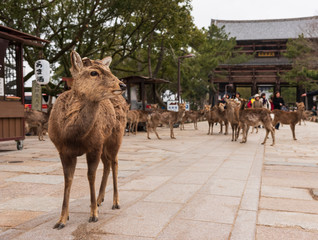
299,113
80,118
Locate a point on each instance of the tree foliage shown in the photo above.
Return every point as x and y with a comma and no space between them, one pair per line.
143,37
303,53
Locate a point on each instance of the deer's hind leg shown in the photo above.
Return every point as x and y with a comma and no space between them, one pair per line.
292,127
171,131
112,146
92,164
69,164
103,184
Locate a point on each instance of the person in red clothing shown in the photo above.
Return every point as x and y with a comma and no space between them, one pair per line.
271,102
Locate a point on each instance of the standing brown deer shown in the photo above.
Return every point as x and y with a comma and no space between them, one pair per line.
252,117
36,119
291,118
194,116
132,121
89,119
221,114
211,116
168,118
232,112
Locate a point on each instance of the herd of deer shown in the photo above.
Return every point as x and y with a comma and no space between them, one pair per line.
91,119
236,114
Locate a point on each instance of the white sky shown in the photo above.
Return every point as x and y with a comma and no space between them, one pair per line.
204,10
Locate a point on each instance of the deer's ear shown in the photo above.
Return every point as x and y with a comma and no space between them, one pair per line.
76,61
86,62
107,61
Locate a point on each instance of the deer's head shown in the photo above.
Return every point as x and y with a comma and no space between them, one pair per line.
93,79
221,107
207,108
182,106
300,106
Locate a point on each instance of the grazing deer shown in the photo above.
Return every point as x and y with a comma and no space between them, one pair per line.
89,119
291,118
252,117
211,116
168,118
232,112
38,120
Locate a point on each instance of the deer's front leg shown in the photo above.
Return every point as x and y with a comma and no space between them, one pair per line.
171,131
69,164
92,164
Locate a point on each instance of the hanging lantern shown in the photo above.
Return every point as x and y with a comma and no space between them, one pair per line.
42,71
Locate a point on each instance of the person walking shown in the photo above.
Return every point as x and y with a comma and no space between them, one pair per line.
278,102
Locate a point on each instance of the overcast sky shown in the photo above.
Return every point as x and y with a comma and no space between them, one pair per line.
204,10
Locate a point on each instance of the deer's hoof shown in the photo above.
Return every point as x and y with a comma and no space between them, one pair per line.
93,219
116,206
99,203
59,226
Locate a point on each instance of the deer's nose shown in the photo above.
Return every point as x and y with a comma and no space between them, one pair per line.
122,86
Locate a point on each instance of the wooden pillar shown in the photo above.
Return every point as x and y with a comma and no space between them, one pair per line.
128,92
143,95
277,85
254,86
154,92
19,69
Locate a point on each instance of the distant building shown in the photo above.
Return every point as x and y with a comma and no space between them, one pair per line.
266,39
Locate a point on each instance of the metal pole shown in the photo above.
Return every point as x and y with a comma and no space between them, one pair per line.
179,84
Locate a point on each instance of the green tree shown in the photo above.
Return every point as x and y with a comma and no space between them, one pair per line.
303,52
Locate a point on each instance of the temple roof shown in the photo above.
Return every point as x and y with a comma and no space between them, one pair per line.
270,29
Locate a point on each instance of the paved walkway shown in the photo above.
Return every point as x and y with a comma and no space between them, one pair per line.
195,187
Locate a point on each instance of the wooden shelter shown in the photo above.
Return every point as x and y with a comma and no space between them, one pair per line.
12,84
266,40
138,84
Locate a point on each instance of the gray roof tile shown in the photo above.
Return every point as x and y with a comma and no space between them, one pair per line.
270,29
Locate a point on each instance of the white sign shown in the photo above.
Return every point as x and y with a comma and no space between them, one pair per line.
1,86
173,106
42,71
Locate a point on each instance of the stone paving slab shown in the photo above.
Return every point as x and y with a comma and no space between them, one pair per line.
276,233
32,178
212,208
285,192
150,215
191,230
194,187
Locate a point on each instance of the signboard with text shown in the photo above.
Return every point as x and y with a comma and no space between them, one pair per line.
42,72
173,106
36,96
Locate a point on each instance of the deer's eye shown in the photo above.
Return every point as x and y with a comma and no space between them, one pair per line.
94,73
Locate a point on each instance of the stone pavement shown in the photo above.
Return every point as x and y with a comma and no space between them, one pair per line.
195,187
